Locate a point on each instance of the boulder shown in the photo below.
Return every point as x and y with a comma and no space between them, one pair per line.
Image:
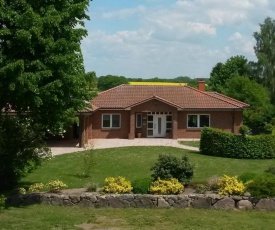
225,203
244,205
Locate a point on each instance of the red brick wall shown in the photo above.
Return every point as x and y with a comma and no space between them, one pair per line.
229,121
98,132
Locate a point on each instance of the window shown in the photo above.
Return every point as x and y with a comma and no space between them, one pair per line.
198,120
138,120
110,120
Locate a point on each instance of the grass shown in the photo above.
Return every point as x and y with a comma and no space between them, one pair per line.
134,163
191,143
55,217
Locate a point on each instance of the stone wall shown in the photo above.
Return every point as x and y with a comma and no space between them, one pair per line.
144,201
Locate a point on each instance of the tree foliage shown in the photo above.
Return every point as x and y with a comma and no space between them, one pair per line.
221,73
41,65
110,81
91,80
265,52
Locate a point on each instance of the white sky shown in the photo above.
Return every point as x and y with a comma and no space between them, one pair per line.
169,38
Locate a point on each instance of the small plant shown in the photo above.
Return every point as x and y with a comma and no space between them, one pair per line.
270,169
244,130
141,186
262,186
92,187
37,187
56,186
170,186
117,185
2,201
231,186
201,188
213,183
88,163
247,177
169,166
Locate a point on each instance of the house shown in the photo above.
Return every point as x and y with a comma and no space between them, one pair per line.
149,111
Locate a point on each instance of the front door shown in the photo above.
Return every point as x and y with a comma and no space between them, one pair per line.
156,125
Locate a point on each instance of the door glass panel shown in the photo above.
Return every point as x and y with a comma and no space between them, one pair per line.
150,125
159,125
150,133
150,118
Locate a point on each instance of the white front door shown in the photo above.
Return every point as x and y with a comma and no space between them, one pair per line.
156,125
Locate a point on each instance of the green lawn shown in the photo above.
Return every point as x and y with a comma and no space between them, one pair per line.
133,163
191,143
55,217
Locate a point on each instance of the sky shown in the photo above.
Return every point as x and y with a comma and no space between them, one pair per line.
170,38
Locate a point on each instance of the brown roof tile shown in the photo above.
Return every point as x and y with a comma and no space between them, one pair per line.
185,97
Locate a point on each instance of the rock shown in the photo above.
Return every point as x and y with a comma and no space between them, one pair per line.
117,202
101,202
162,203
74,199
182,203
265,204
225,203
201,202
247,194
244,205
143,201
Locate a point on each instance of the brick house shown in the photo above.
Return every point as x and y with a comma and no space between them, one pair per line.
148,111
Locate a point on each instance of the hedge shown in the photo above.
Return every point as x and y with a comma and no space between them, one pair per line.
216,142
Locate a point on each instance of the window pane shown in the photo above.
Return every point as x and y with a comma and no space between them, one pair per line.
106,121
169,118
115,121
150,118
204,120
193,121
150,133
150,125
138,120
168,125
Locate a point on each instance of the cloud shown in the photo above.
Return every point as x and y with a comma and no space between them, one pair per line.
184,38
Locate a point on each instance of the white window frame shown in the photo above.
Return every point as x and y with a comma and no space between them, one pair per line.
138,114
198,119
111,120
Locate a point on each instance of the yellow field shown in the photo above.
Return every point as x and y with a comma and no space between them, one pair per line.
156,83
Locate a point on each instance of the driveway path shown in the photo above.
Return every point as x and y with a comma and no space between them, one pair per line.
112,143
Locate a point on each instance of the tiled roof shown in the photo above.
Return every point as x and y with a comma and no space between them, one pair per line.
184,97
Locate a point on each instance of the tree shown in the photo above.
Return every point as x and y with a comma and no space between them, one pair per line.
41,65
42,77
110,81
221,73
265,52
249,91
91,80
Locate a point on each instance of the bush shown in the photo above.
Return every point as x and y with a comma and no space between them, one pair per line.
201,188
247,177
270,169
215,142
262,186
56,186
230,186
169,166
244,130
171,186
91,187
117,185
37,187
141,186
2,201
213,182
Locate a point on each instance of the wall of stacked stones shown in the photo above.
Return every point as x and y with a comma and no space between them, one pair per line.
211,201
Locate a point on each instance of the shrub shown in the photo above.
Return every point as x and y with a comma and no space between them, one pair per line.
88,163
18,191
262,186
141,186
37,187
230,186
91,187
170,186
270,169
215,142
213,182
2,201
56,186
244,130
169,166
117,185
247,177
201,188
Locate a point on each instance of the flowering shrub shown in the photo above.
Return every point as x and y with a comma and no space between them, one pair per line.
37,187
171,186
56,186
117,185
230,186
213,182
